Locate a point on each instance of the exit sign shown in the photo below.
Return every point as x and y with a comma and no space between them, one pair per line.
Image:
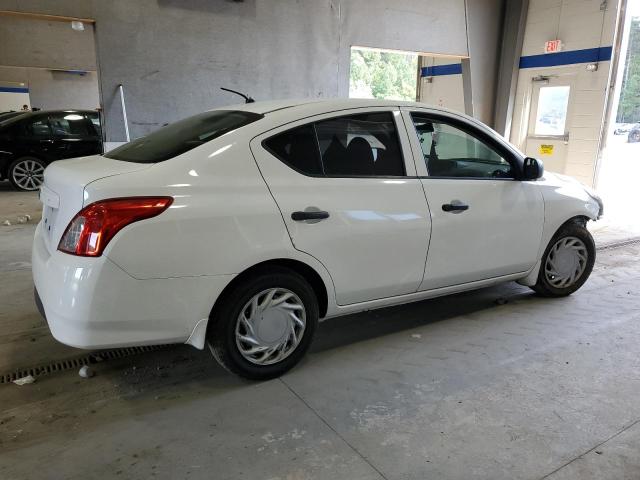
552,46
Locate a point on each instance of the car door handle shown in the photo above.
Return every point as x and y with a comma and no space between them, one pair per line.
455,207
312,215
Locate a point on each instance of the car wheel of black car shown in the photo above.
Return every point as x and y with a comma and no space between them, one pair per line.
634,136
27,173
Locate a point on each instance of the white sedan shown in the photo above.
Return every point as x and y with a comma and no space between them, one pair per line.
241,227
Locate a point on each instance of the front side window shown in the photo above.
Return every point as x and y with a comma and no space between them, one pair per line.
363,145
180,137
451,152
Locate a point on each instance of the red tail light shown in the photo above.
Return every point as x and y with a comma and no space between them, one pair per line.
95,225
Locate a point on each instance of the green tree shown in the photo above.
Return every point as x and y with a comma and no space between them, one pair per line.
376,74
629,107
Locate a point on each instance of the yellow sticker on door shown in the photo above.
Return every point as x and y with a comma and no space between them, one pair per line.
546,149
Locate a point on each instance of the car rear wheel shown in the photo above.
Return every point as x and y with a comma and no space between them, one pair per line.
27,173
567,262
634,136
265,325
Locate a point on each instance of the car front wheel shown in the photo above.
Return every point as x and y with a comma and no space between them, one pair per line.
265,325
27,173
567,261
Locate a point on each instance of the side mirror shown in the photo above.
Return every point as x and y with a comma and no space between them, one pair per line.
532,169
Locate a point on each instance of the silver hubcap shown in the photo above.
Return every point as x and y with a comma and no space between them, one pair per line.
566,262
28,174
270,326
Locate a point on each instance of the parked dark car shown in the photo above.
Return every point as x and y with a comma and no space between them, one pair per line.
32,140
634,134
7,115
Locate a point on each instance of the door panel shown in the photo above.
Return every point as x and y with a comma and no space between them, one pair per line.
484,224
549,121
374,241
499,234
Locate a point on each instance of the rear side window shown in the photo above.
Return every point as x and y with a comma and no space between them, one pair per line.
364,145
360,145
297,148
182,136
70,125
39,127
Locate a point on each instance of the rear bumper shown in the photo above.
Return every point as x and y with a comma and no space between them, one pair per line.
93,303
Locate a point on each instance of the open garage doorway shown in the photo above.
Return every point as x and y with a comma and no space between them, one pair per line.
619,167
434,79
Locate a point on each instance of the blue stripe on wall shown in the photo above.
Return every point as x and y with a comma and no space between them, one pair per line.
449,69
14,89
587,55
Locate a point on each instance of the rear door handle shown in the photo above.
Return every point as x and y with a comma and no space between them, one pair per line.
455,207
312,215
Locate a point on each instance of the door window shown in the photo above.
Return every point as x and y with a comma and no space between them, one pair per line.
70,124
94,118
39,128
360,145
451,152
364,145
297,148
551,114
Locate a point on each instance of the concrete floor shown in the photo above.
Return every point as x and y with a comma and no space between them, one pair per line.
457,387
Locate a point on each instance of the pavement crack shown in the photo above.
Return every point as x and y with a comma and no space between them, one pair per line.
322,419
624,429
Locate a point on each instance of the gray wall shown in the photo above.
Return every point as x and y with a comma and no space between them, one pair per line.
173,55
55,90
484,19
32,47
29,42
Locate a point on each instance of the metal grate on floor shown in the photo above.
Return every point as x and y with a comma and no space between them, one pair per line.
618,244
75,363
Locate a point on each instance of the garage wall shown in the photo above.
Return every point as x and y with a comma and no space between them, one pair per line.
31,50
51,90
581,25
173,55
441,83
30,42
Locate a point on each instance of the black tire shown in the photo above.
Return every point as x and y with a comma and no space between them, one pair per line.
26,183
634,136
221,333
543,286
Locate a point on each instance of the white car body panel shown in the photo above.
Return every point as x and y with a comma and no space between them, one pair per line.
377,229
158,279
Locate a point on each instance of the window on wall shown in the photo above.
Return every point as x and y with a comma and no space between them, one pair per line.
551,115
382,74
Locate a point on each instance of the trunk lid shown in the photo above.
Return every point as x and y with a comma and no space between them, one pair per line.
62,193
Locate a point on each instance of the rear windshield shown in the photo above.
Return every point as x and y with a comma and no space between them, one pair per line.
182,136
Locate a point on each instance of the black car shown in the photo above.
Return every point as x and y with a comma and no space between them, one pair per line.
634,134
32,140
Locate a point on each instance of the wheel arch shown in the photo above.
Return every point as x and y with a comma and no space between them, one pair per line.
301,268
532,276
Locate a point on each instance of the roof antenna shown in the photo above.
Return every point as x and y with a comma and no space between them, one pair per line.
247,98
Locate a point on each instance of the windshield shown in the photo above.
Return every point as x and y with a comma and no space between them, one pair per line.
182,136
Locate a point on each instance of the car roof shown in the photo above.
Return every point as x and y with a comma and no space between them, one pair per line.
264,107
